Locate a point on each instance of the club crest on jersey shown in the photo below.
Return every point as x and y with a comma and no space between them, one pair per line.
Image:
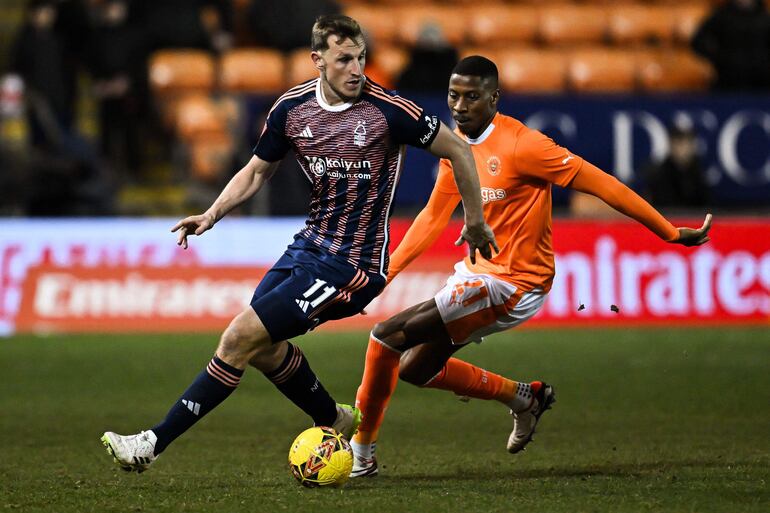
359,134
493,165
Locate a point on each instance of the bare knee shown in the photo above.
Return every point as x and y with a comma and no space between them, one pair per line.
243,339
389,333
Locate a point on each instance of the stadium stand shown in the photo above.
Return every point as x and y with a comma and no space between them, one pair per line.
252,70
569,25
602,70
498,25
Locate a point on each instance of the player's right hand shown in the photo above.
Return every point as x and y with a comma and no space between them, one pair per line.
694,237
479,237
193,225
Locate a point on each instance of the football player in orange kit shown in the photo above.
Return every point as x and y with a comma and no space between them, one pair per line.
516,167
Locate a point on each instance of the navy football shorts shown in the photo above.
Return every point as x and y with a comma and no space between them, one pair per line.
308,286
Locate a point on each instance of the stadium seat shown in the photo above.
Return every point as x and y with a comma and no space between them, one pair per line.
687,19
377,21
673,71
300,67
391,60
198,116
210,157
530,70
412,19
180,71
640,24
252,70
502,24
602,70
568,24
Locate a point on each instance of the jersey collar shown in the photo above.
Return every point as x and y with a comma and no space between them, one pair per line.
319,95
484,135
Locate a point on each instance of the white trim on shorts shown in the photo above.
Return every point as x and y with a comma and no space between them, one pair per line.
475,305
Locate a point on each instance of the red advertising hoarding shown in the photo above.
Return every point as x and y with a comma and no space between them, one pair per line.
608,273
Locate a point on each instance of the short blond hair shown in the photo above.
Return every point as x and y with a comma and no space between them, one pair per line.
344,27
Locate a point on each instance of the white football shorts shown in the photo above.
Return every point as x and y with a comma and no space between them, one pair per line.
475,305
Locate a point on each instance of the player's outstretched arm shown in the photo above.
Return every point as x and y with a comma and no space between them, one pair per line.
245,184
476,231
592,180
424,231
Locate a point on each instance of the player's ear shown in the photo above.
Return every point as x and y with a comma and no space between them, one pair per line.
495,97
318,60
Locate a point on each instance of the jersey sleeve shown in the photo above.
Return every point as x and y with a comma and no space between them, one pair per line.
539,157
273,143
445,181
410,124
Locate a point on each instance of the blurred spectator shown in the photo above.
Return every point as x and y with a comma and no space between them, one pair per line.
431,62
285,24
736,39
204,24
48,66
678,180
116,57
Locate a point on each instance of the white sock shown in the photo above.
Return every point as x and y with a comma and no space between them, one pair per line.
523,398
363,451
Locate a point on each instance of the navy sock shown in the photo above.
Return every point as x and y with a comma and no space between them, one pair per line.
211,387
297,381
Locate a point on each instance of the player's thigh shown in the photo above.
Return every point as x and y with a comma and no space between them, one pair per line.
417,324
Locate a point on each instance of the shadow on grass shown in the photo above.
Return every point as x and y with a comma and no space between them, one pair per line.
619,470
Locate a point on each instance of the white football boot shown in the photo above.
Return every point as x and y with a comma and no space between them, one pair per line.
347,421
524,422
364,466
131,452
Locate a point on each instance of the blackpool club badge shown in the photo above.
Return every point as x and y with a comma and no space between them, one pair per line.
493,165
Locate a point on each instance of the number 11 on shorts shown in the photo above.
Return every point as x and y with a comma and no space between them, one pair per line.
325,294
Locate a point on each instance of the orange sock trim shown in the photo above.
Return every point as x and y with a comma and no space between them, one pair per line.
462,378
377,387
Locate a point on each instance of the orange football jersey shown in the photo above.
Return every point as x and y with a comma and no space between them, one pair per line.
516,167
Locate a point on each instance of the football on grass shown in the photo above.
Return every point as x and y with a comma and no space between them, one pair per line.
320,456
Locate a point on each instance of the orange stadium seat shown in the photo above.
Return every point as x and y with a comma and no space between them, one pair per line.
377,21
412,19
530,70
601,70
252,70
502,24
211,157
177,71
568,24
673,71
390,61
198,116
640,24
687,19
300,67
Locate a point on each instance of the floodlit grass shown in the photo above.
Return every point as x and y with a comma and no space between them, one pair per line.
646,420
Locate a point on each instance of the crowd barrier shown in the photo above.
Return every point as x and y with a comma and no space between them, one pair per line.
128,275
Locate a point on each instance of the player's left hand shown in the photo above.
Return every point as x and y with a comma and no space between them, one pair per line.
479,237
193,225
694,237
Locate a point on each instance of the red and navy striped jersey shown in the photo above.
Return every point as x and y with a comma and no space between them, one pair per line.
352,154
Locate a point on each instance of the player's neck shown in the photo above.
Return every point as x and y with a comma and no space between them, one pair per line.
482,128
330,96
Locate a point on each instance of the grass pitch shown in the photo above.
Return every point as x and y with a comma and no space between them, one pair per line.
646,420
